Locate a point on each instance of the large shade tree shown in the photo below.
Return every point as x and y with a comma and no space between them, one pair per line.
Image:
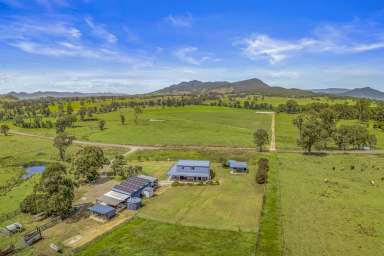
53,195
87,162
261,138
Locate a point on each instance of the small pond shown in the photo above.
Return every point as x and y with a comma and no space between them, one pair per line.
31,170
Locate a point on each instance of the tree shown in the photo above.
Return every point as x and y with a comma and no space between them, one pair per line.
62,141
122,119
341,137
298,122
53,195
311,134
118,165
87,161
260,137
262,171
136,112
4,128
102,125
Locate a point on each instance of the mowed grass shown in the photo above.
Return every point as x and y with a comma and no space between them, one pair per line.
192,125
235,204
141,237
330,206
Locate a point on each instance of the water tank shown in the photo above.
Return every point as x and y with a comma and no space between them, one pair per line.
134,203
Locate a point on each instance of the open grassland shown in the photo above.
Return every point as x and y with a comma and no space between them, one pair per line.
147,237
235,204
286,132
195,125
330,206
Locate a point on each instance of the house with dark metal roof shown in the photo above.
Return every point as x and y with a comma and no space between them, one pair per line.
104,212
132,187
190,170
237,166
154,181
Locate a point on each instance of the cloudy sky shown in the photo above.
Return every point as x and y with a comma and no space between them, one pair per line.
135,46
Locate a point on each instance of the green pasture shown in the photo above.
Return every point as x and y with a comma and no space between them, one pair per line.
141,237
196,125
235,204
332,205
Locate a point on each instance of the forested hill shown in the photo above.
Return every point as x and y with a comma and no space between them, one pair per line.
255,86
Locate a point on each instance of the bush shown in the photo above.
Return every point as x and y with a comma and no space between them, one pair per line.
262,172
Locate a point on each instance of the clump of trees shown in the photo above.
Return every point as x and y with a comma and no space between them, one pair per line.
262,171
87,162
261,138
119,168
317,129
102,125
53,195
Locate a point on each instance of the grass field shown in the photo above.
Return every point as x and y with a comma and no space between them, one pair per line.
142,237
235,204
195,125
330,207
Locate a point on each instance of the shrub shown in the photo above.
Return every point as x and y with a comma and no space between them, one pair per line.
262,172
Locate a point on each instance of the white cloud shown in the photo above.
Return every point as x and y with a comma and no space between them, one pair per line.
189,55
100,31
180,21
345,39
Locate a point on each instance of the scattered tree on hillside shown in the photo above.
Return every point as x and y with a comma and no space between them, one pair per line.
260,137
136,112
53,195
87,162
62,141
363,109
102,125
4,128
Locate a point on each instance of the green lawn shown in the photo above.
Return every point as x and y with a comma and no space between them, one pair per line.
141,237
235,204
194,125
330,207
286,132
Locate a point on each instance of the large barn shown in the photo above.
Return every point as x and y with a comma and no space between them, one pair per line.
190,170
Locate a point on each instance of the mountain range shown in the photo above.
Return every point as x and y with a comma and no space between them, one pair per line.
364,92
195,87
54,94
255,86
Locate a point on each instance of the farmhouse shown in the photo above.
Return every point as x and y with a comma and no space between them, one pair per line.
132,187
237,166
154,181
103,212
190,170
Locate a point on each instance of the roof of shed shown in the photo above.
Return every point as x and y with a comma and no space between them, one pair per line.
109,200
117,195
237,164
101,209
131,185
150,178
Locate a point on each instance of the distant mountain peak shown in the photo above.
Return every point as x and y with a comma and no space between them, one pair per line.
253,85
362,92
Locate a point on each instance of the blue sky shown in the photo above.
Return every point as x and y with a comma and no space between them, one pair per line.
136,46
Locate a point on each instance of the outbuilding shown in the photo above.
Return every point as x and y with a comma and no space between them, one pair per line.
237,166
104,212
